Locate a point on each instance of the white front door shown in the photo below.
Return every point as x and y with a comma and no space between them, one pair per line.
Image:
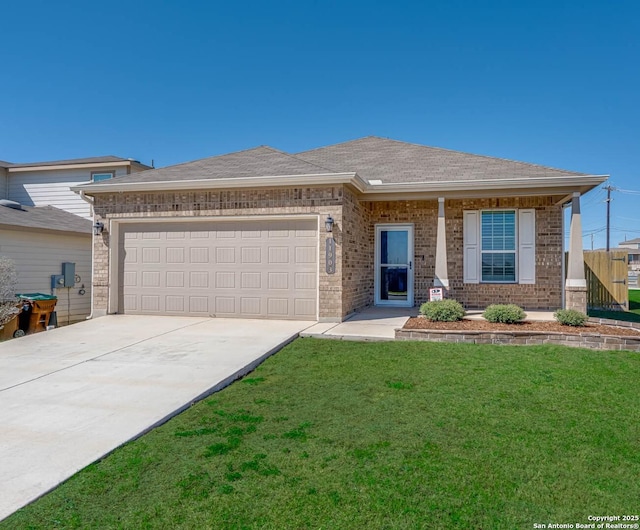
394,265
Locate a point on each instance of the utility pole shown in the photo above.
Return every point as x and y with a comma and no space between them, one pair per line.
591,241
608,201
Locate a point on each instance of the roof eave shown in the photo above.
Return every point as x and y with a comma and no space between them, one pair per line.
22,168
485,188
326,179
386,191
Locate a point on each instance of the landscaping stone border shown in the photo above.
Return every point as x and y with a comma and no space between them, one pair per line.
616,323
593,341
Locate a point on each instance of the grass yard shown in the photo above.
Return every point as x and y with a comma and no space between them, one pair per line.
633,315
399,435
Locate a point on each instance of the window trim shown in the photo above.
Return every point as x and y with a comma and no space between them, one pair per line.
515,251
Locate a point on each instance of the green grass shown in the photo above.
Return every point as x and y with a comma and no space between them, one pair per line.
633,315
400,435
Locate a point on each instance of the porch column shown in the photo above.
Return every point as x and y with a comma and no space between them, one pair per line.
576,283
441,278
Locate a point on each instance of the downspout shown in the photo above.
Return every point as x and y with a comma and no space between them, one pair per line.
90,202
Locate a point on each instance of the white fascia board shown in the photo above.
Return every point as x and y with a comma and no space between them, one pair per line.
463,187
227,183
22,169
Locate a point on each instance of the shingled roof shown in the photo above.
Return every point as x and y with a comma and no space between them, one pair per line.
260,161
43,218
372,158
375,158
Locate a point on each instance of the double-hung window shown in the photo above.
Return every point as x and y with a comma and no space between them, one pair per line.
499,246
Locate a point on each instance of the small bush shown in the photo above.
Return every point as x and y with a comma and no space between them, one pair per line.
442,310
570,317
8,300
504,313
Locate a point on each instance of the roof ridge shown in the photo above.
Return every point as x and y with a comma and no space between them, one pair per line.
337,143
206,158
481,156
445,150
295,157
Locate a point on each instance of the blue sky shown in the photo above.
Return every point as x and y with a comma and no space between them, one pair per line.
550,82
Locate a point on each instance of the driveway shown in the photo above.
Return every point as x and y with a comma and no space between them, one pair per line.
71,395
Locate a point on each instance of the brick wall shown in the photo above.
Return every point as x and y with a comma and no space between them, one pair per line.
352,286
424,216
357,256
546,293
284,201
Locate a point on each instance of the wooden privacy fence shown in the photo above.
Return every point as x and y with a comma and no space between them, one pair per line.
606,274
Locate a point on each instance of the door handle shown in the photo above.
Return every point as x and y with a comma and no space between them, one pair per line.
410,265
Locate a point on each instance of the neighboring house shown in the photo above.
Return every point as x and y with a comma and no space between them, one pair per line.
39,240
634,252
243,234
53,224
48,183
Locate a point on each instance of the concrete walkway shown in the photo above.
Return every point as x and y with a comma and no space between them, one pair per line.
71,395
372,323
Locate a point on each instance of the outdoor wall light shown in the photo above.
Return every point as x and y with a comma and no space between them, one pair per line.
328,224
98,227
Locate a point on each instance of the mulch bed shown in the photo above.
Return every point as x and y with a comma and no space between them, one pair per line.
545,327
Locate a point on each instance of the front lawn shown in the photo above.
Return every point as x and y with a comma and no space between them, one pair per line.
399,435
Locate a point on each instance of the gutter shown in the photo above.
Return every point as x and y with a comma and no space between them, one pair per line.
90,201
238,182
365,188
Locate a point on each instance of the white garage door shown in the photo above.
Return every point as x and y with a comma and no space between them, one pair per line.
249,269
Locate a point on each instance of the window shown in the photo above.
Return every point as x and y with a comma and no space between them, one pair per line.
97,177
498,246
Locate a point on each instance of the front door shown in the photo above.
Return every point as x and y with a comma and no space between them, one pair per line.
394,265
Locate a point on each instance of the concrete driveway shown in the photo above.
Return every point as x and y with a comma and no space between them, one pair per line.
71,395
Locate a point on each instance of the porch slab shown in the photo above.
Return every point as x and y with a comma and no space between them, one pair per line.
372,323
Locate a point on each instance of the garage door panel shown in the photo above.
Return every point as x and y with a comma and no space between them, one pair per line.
265,269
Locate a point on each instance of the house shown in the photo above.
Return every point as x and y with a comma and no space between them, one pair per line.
317,235
634,253
48,183
44,224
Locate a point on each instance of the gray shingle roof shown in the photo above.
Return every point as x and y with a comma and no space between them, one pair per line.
393,161
257,162
43,218
372,158
4,164
89,160
636,240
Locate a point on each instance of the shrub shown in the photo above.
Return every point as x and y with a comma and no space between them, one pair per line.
504,313
570,317
8,281
443,310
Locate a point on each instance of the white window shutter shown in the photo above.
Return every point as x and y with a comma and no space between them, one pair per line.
527,246
471,245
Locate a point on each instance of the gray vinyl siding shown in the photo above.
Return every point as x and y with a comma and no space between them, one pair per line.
51,188
38,255
3,183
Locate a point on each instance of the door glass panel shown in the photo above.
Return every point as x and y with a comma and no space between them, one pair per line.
394,283
394,247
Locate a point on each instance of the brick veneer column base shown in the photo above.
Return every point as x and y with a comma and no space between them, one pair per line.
576,298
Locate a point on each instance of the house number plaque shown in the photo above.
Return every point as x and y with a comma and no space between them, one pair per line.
330,255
